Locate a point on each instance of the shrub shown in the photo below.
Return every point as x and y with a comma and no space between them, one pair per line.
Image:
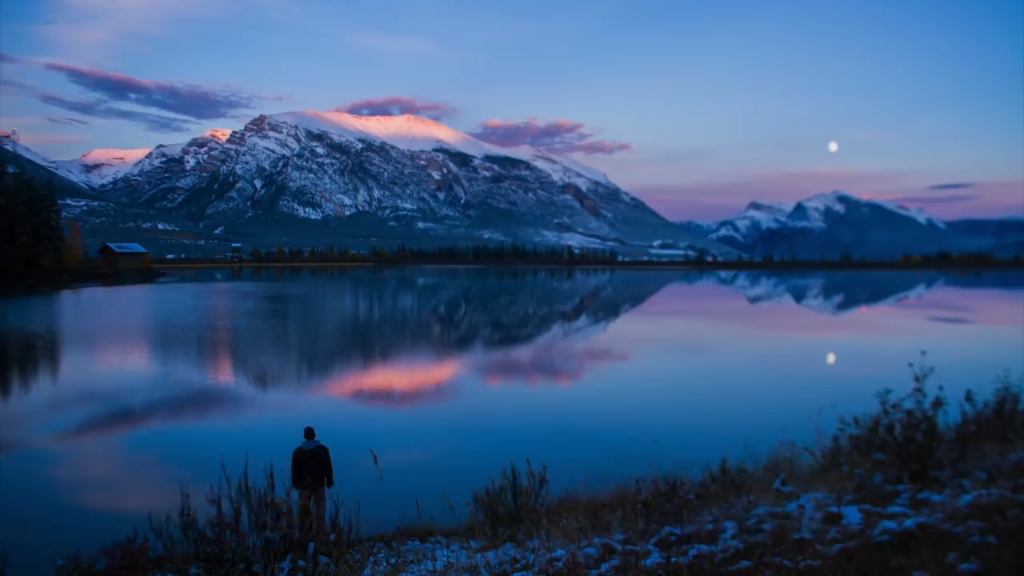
513,501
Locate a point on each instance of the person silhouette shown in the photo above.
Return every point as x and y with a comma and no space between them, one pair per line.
312,476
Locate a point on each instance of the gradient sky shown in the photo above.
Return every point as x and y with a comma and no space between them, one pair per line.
696,106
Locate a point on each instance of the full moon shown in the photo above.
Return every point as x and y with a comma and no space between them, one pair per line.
830,358
833,146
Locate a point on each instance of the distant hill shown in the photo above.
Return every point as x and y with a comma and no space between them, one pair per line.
831,225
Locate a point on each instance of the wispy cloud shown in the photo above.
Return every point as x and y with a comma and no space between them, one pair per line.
949,320
189,100
950,199
96,30
12,87
398,105
102,109
952,186
8,58
36,139
559,137
67,121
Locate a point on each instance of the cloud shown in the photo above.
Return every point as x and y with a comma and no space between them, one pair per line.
98,30
35,139
951,186
15,87
67,121
102,109
951,199
949,320
559,137
398,105
8,58
189,100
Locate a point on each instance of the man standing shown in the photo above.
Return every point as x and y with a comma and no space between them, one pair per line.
312,474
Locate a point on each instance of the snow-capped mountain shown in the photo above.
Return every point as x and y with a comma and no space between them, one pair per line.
334,178
98,167
830,225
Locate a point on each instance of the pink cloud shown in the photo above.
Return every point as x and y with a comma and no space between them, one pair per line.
559,137
398,105
188,100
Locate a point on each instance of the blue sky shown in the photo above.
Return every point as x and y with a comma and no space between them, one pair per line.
719,102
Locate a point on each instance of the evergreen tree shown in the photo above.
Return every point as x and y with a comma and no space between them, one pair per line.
32,239
74,249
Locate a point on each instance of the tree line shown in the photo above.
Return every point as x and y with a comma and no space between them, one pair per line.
475,253
527,254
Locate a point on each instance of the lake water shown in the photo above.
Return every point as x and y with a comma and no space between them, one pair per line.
116,397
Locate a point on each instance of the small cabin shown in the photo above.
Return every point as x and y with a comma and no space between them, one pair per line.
236,253
121,256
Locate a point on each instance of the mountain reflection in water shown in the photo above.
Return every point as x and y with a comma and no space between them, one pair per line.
113,398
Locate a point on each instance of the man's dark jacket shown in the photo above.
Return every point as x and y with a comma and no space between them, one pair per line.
311,466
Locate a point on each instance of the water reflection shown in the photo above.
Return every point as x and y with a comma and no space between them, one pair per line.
361,329
397,384
29,344
192,404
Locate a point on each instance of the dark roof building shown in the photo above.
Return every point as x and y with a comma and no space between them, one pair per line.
121,256
125,248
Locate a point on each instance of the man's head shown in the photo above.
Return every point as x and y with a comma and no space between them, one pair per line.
309,433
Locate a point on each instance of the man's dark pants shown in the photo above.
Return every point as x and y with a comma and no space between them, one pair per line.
313,521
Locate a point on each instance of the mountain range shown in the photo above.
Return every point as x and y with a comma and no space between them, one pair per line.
318,178
833,224
331,178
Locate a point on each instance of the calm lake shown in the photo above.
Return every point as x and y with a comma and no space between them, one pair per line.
114,398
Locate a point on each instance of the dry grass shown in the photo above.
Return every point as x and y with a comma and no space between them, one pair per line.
917,444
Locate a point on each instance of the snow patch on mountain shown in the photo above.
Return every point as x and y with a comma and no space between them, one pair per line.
406,131
98,167
221,134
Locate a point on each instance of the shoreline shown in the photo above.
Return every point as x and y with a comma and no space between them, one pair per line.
997,266
77,278
897,490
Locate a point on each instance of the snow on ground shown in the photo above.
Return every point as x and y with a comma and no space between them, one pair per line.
827,524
